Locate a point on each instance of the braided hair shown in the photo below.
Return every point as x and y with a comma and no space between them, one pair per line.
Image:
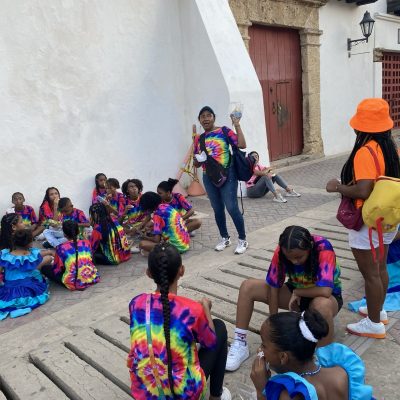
71,231
389,151
22,239
297,237
100,216
6,234
96,180
164,263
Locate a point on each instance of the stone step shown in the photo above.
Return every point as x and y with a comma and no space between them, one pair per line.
76,378
114,330
22,380
328,227
102,355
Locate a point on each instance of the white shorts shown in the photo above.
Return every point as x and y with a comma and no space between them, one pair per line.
360,239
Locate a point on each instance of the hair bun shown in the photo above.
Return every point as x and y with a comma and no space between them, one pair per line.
316,323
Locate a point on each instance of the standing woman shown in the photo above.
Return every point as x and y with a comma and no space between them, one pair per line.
372,125
217,141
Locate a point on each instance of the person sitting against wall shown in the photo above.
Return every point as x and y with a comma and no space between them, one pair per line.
263,181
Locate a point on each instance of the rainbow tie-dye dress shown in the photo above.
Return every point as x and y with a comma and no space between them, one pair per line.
188,325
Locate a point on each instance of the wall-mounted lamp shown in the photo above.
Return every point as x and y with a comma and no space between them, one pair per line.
367,25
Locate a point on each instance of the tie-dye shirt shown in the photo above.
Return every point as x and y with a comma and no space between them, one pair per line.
180,204
115,252
46,214
135,215
217,144
65,265
77,215
96,194
117,202
189,325
328,274
28,215
168,223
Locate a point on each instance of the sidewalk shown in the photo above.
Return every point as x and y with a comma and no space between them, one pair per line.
76,346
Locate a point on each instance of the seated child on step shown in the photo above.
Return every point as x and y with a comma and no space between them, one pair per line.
24,288
48,211
168,224
99,192
10,223
73,266
179,202
67,213
303,274
109,242
134,218
114,201
175,324
289,342
26,212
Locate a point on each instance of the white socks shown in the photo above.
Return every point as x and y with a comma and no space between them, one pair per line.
241,336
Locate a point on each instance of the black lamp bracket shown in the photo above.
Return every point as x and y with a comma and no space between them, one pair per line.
355,42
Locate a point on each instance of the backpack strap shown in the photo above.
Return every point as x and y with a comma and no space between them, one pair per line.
375,157
202,141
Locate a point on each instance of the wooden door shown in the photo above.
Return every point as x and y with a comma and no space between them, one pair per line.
276,56
391,84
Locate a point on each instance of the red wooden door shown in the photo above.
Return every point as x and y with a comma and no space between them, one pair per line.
276,56
391,84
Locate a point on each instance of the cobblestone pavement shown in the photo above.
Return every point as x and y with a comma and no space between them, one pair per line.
309,179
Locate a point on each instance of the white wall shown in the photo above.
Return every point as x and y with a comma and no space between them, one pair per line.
346,81
93,86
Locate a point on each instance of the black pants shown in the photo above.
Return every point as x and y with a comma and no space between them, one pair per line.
48,271
100,258
213,362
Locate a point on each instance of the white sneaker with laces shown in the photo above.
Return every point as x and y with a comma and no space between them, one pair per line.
135,250
292,193
238,353
241,246
384,317
223,244
367,328
279,199
226,394
40,237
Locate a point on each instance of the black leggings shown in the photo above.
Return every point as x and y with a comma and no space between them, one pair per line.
213,362
48,272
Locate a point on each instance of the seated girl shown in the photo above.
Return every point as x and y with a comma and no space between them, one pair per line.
288,347
313,282
23,288
67,212
179,202
168,224
114,201
99,192
174,324
48,211
73,266
27,213
263,181
109,243
134,218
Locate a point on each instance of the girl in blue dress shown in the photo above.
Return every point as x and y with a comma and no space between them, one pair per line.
288,346
24,288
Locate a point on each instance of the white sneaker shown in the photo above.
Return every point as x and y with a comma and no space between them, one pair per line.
237,354
367,328
279,199
292,193
226,394
384,317
241,246
225,242
135,250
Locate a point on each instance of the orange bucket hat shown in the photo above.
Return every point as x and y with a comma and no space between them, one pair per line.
372,116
